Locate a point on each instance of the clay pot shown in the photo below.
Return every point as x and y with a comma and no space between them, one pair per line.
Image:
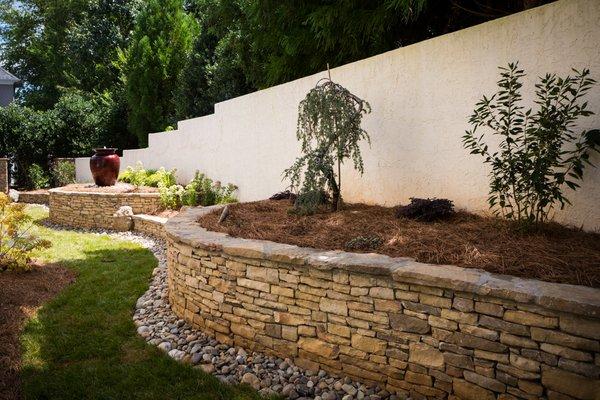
104,165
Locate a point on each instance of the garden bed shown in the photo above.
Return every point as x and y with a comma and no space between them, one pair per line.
551,253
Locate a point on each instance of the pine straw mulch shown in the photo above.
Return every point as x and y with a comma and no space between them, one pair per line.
551,252
21,294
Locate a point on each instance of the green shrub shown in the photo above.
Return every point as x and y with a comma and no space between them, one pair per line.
15,244
139,176
170,196
63,173
38,179
200,191
539,151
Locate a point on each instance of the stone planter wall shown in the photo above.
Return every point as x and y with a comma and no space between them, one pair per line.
95,210
150,225
37,197
430,331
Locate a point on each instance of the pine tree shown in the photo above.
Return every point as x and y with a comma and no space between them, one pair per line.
161,42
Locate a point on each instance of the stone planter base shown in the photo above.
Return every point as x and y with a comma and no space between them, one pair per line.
428,331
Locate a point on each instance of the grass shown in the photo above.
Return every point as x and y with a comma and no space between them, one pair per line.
83,344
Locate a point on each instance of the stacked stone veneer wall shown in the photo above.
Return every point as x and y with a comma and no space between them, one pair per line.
34,197
4,175
150,225
430,331
96,210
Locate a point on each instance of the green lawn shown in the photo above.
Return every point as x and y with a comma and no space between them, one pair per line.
83,344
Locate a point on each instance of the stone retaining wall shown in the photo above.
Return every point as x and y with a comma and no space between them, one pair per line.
95,210
4,175
150,225
424,330
34,197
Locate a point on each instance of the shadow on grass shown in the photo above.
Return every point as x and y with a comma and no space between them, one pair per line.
83,344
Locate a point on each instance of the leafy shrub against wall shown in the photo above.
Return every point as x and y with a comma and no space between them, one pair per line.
37,177
63,173
541,150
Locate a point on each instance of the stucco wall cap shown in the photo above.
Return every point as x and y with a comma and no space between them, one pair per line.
571,298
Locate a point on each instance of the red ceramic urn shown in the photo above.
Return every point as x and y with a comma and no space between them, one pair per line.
105,164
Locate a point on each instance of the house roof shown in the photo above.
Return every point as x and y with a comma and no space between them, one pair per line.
7,78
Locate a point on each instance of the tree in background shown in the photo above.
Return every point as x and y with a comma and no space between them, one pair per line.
160,45
64,44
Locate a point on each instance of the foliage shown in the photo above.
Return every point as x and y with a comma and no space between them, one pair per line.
63,173
160,44
139,176
16,244
170,196
329,130
364,243
73,127
426,209
86,339
38,177
64,44
539,151
200,191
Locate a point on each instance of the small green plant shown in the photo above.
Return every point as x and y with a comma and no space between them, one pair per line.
170,196
63,173
200,191
139,176
539,151
16,244
364,243
329,130
38,179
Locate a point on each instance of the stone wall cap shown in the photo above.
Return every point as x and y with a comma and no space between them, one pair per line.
150,218
103,194
576,299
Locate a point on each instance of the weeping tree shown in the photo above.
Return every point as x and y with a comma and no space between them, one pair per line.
329,130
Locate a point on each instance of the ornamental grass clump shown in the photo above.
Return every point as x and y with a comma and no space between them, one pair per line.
539,151
16,244
329,130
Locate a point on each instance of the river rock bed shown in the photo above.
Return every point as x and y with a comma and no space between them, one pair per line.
159,326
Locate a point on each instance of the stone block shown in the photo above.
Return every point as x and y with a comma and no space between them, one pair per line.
407,323
368,344
530,319
333,306
469,391
570,384
425,355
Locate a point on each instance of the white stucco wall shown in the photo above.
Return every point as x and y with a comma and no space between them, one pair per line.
421,96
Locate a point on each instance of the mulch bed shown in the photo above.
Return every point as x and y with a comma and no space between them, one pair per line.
551,252
21,294
120,187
